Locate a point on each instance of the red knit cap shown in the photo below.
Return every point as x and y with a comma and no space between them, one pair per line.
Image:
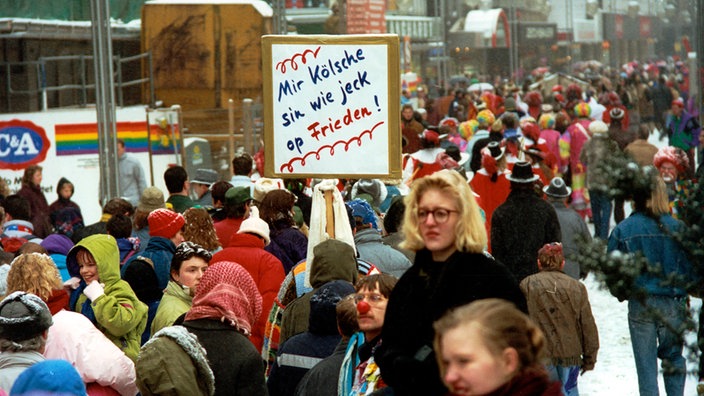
165,223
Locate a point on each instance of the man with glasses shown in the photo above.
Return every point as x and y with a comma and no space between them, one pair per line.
360,374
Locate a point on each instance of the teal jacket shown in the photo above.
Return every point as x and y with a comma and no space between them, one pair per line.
118,313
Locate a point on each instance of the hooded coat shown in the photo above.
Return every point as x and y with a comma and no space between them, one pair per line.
334,260
174,363
303,351
384,257
118,313
65,214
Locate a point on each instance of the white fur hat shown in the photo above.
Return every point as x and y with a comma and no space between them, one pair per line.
255,225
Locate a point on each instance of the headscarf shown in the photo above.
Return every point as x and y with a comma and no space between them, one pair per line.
227,292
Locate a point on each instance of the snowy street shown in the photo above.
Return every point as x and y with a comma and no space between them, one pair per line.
615,371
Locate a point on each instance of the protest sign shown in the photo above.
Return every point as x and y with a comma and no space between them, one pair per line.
331,106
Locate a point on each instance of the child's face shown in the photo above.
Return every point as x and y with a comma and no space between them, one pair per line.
66,191
87,266
471,368
190,272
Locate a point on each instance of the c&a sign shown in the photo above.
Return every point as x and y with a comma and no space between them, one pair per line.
22,143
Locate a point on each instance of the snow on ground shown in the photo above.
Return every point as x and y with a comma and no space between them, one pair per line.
615,370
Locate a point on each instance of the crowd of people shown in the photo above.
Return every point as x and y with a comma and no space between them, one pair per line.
462,277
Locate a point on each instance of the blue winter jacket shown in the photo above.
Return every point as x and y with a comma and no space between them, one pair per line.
641,233
160,250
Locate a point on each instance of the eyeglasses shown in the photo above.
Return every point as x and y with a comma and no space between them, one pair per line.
373,298
440,215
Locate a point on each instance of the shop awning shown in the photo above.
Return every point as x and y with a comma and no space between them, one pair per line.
491,26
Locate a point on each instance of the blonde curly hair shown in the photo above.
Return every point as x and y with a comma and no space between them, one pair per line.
470,233
34,273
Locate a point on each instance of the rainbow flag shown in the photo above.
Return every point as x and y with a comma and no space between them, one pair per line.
75,139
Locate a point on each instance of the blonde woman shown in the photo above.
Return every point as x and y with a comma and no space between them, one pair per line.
658,303
442,223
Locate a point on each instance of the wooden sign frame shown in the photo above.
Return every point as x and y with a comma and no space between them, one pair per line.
331,106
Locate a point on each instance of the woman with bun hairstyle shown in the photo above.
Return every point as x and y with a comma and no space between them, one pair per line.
491,348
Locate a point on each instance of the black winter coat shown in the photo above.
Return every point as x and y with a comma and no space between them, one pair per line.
519,228
423,294
237,366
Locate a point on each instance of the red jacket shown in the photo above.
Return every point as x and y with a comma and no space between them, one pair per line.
267,271
224,229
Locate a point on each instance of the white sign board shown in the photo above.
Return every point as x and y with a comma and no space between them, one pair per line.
332,106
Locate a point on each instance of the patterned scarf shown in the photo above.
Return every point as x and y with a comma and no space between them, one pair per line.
228,293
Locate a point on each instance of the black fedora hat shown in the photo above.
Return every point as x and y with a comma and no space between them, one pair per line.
557,188
522,173
495,150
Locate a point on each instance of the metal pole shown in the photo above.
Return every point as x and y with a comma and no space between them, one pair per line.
248,125
105,100
231,133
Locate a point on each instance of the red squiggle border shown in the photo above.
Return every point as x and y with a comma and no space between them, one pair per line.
289,166
292,60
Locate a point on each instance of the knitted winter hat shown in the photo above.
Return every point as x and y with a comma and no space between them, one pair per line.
152,198
255,225
23,316
227,292
57,243
49,377
165,223
361,209
264,185
323,318
510,104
